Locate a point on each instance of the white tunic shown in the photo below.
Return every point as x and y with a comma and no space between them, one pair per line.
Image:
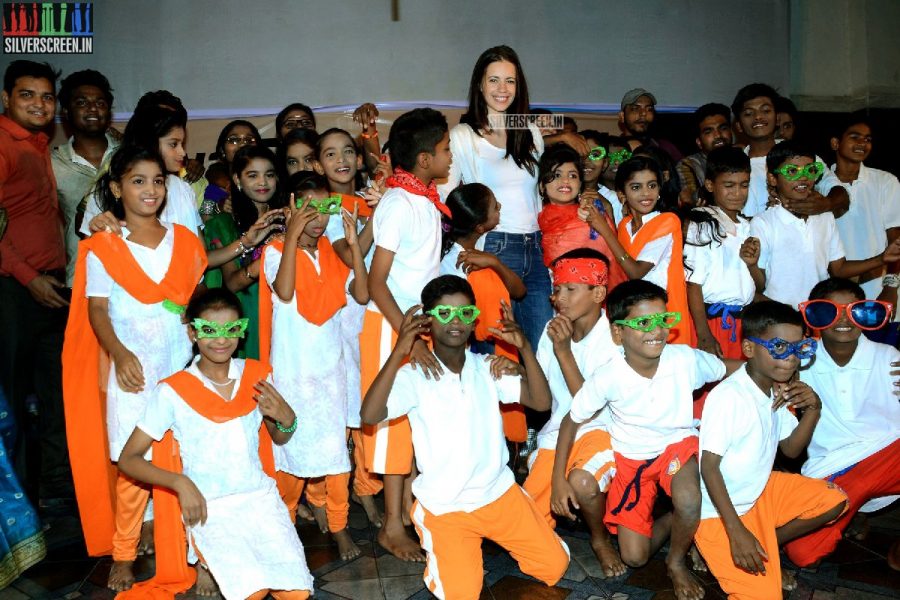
308,365
248,541
156,336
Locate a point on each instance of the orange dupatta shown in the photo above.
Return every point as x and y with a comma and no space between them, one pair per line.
319,295
665,224
86,366
173,575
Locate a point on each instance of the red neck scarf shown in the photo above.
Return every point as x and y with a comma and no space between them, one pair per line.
412,184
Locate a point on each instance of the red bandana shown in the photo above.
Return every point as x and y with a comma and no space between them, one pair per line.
412,184
591,271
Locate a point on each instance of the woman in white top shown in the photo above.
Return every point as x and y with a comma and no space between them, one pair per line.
489,149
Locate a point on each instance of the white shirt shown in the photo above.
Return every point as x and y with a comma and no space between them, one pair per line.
457,433
716,266
658,252
874,208
409,226
592,354
180,208
476,160
739,425
795,253
613,201
647,415
448,263
860,411
156,336
206,445
759,187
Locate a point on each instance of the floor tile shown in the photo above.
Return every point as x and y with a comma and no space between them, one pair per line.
391,566
401,587
368,589
361,568
515,588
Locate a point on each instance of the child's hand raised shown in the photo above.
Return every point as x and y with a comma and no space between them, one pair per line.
298,219
509,331
349,220
560,330
501,365
796,395
411,328
383,170
193,504
749,252
264,225
746,551
129,371
366,115
272,404
587,212
475,260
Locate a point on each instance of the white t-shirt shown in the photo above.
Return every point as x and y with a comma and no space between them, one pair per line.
718,267
613,201
647,415
409,226
759,187
457,433
860,411
739,425
795,253
592,354
180,208
874,208
658,252
476,160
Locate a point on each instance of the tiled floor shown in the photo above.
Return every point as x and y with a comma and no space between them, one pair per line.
856,571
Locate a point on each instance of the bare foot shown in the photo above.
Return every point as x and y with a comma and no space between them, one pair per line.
686,585
893,557
368,504
396,541
321,517
697,562
858,529
145,546
121,575
206,586
304,513
609,558
346,547
788,580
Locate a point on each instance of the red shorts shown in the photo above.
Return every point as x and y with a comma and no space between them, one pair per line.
632,493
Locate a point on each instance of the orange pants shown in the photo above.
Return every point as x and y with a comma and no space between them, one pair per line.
387,446
452,542
280,595
592,452
875,476
131,502
730,349
786,497
365,483
336,499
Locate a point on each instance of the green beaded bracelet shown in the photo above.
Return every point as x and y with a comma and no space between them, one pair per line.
290,429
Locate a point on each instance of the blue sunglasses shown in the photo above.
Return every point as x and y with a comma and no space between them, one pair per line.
780,349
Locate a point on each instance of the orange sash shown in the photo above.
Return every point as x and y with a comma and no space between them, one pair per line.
319,295
85,369
665,224
173,575
348,201
489,291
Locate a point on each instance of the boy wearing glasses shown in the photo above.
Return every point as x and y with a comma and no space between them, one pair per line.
796,250
648,391
855,445
747,509
465,491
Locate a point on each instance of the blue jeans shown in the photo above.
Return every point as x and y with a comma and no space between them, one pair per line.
522,253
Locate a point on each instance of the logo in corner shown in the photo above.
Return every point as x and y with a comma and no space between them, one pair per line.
674,467
48,27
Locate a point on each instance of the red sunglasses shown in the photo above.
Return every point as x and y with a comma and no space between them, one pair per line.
865,314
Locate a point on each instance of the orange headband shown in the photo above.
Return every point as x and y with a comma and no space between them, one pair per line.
591,271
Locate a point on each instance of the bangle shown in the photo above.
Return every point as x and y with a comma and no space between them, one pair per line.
368,136
241,248
623,258
290,429
891,280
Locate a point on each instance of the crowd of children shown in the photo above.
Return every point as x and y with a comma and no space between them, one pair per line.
339,316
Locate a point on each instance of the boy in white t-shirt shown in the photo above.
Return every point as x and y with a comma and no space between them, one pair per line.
747,509
648,392
855,445
798,250
575,345
407,238
465,492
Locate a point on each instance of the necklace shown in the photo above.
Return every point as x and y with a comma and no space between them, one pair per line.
216,383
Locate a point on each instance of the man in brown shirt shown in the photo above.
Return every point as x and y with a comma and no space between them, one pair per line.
33,298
